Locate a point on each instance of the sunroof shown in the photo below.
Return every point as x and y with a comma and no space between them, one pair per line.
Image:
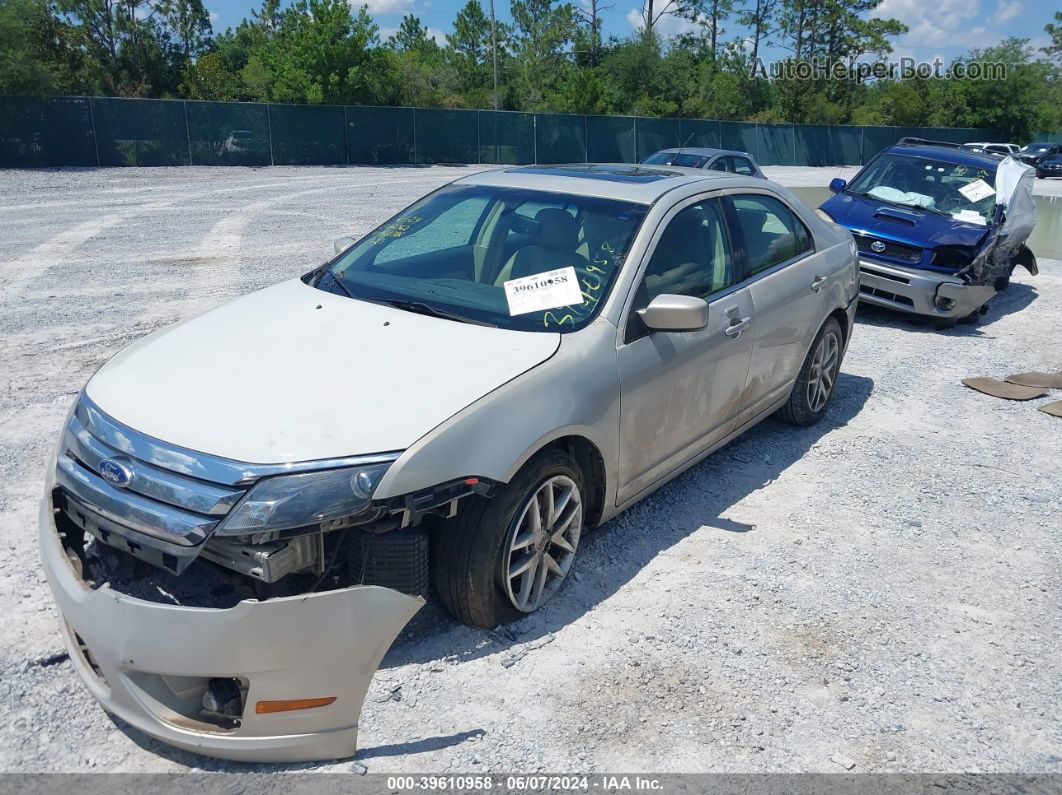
610,173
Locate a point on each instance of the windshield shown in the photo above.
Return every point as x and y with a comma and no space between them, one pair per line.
676,159
966,193
1035,148
525,260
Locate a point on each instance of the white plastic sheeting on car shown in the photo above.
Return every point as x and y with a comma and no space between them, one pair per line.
1014,191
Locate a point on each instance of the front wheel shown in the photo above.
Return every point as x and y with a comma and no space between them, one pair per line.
817,378
506,556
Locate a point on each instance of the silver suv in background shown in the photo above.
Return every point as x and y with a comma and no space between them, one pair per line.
463,393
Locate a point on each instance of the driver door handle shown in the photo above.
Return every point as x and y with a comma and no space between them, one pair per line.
737,326
818,284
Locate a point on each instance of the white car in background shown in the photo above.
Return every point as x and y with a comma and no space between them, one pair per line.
995,149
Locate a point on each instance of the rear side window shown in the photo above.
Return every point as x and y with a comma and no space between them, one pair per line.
772,232
743,166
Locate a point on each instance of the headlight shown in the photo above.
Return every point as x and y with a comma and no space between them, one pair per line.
287,501
825,216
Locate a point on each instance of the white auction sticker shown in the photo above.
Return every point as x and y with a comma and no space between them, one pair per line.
977,190
543,291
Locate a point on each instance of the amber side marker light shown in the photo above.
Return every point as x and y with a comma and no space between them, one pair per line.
290,704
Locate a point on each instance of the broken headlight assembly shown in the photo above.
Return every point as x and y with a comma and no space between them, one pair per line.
285,502
952,257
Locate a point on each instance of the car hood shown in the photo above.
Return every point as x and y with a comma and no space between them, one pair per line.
291,373
905,225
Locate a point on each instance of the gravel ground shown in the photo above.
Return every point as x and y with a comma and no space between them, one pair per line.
877,593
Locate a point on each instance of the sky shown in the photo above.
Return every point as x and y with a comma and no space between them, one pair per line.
944,28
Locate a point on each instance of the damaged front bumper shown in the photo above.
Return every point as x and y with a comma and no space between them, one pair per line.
920,292
150,663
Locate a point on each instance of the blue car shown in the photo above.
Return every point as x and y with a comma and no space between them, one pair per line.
932,239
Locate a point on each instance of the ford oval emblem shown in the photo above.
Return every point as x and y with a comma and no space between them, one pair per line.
877,246
115,472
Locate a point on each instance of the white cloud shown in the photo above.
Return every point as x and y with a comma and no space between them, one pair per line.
379,7
1006,10
938,24
666,26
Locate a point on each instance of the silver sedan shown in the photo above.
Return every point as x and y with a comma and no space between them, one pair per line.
461,394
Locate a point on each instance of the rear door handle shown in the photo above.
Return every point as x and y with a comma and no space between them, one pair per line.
818,283
737,326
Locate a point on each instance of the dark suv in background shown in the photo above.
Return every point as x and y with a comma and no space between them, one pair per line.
1035,153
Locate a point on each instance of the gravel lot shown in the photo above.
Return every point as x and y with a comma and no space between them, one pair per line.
879,592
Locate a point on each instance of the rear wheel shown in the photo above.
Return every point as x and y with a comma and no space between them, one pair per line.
506,556
818,376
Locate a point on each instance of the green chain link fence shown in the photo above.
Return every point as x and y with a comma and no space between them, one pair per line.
102,131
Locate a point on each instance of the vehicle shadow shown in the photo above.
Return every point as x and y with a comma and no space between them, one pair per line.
1016,298
612,555
210,764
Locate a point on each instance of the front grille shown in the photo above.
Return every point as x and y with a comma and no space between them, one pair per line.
161,516
886,295
892,250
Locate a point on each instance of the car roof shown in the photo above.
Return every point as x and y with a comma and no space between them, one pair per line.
623,181
703,151
950,154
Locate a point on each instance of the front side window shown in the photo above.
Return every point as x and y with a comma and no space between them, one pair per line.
773,234
954,189
453,252
721,164
692,256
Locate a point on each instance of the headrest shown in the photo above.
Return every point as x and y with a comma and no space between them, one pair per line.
557,229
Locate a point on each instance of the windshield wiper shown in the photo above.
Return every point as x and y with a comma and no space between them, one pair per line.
420,308
327,274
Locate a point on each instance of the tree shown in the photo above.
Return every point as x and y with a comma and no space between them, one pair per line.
469,50
1054,49
411,37
39,53
710,15
320,53
758,18
541,31
208,77
189,25
591,18
1024,103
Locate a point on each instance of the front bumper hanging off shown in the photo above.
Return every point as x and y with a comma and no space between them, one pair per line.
920,292
150,663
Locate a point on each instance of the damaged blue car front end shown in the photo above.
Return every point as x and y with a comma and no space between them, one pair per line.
933,237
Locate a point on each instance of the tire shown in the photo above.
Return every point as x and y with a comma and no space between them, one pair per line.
804,410
473,555
1003,282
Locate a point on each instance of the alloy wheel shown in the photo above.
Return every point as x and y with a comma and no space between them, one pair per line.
823,373
542,543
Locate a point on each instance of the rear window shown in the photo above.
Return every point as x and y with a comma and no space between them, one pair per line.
681,159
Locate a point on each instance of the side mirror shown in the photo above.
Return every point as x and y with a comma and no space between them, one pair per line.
341,244
675,313
837,185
